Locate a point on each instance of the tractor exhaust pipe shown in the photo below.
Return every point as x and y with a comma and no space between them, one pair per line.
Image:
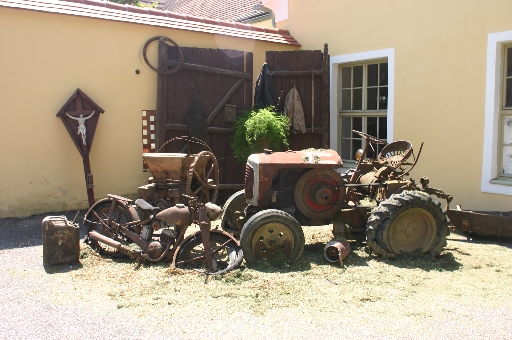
112,243
336,250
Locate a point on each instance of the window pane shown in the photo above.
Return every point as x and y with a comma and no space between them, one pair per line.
373,74
346,74
384,74
371,99
371,126
383,128
356,145
507,160
358,76
346,127
357,99
346,99
357,124
509,61
507,130
383,98
345,148
508,93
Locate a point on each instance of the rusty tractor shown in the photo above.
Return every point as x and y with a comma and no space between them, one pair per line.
376,201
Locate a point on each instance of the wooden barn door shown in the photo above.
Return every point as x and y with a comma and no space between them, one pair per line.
202,99
309,72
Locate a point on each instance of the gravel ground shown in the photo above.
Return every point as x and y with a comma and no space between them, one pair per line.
26,311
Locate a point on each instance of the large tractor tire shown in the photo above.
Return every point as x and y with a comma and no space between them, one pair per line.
407,222
270,233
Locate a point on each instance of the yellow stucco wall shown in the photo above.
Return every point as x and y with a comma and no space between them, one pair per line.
440,50
44,58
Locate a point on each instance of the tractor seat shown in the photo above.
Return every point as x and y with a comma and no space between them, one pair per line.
395,154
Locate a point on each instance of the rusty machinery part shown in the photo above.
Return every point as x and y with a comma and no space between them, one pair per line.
187,139
336,251
233,217
395,154
97,219
370,138
203,177
270,233
318,193
178,62
226,253
406,222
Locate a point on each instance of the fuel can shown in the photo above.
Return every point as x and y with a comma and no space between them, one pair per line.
61,241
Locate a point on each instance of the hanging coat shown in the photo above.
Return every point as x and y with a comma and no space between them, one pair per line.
264,91
294,111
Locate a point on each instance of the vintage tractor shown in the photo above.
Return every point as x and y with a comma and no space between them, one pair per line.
375,201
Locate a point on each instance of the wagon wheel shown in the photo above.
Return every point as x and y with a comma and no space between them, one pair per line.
203,177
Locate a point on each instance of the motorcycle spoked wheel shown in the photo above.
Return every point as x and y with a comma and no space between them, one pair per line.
120,215
192,256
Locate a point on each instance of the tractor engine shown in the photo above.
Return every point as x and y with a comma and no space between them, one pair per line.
296,180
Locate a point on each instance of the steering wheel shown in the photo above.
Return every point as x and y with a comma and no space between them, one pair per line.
370,138
178,63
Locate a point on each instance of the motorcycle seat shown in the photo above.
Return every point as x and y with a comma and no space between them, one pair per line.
145,206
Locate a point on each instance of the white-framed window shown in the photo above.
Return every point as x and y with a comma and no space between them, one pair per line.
363,94
505,120
362,98
497,152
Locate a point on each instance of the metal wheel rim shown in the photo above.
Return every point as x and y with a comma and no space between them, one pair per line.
222,257
272,238
414,228
172,70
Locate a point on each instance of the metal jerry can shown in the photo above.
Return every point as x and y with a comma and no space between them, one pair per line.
61,241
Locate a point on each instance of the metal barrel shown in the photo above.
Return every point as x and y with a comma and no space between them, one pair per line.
336,250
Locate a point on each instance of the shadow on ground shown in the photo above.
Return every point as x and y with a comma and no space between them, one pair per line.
20,232
313,256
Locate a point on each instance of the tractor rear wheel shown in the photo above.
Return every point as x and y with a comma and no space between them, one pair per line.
270,233
406,222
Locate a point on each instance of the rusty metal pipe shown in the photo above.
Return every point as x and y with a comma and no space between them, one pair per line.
336,250
112,243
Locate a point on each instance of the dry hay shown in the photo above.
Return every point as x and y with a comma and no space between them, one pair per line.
407,290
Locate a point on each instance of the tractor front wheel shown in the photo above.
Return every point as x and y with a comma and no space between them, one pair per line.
406,222
270,233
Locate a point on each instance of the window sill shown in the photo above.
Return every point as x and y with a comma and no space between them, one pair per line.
501,181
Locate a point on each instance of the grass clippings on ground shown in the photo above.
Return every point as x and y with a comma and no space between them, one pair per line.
467,275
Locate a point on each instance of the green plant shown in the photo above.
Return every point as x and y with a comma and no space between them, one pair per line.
257,130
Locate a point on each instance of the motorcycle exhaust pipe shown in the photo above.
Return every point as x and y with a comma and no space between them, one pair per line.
112,243
336,250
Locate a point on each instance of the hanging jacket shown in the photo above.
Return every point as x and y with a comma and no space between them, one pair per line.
294,111
264,91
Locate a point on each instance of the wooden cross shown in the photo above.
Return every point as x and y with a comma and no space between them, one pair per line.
80,116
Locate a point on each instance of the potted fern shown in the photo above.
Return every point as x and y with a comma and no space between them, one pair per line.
257,130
